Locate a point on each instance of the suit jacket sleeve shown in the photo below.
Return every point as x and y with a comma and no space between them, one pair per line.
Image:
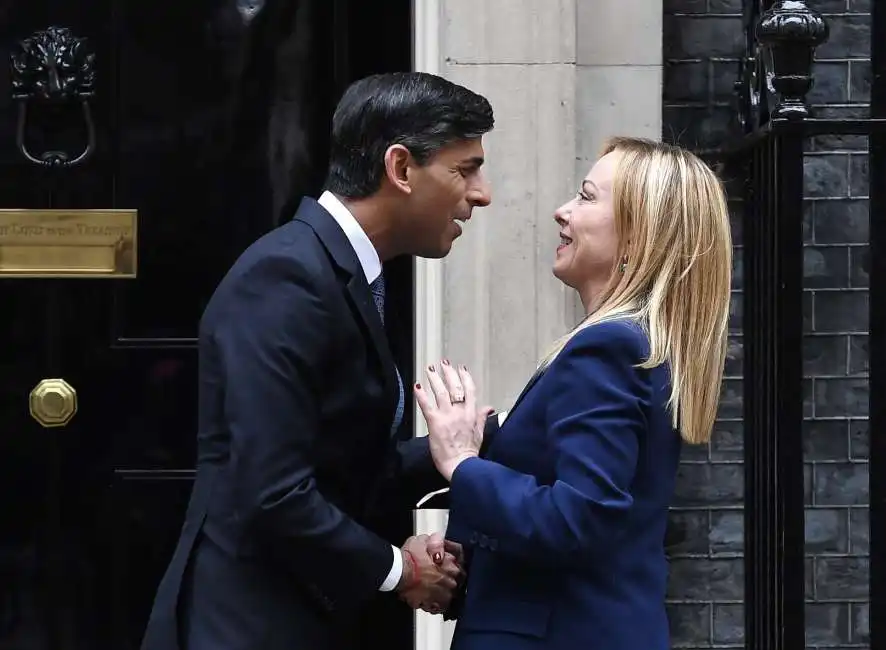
595,418
273,342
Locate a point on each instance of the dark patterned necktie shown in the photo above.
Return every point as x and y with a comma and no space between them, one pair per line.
378,295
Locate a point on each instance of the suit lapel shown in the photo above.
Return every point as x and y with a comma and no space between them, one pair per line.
342,252
361,298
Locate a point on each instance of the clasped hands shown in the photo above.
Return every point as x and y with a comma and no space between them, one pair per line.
432,571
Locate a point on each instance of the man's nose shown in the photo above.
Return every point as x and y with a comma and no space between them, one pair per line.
480,195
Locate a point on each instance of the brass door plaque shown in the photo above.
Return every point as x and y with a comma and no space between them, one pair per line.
68,243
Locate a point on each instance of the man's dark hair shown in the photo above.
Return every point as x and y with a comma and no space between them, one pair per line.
421,111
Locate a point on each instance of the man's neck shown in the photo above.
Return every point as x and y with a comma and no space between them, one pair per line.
374,218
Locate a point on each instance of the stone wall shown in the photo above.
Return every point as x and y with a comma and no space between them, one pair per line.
702,42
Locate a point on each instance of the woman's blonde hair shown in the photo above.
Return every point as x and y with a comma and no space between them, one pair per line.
674,238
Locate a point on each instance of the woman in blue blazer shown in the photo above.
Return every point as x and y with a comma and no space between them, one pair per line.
562,522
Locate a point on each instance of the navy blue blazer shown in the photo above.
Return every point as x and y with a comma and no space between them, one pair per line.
564,520
296,464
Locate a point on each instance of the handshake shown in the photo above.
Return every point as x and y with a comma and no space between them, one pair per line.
432,571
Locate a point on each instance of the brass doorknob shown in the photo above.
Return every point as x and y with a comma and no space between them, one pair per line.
53,402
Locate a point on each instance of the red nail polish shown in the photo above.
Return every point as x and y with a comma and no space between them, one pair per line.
445,362
418,386
431,369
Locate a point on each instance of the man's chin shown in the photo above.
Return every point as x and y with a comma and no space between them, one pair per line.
435,254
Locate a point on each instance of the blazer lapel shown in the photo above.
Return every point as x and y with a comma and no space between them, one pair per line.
342,253
532,381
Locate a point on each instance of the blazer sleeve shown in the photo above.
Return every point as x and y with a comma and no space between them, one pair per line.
456,606
412,474
272,344
595,418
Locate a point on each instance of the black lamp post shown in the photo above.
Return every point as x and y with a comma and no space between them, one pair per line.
789,32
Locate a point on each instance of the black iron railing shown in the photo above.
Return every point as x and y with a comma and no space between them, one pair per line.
775,77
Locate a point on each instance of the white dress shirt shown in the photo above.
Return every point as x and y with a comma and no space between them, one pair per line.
371,265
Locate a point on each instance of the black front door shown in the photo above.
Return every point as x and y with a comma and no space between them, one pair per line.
209,118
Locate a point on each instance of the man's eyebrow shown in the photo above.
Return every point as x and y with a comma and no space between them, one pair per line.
474,161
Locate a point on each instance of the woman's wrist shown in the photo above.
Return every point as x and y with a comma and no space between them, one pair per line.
449,468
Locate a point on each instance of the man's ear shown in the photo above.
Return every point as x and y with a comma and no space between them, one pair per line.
397,162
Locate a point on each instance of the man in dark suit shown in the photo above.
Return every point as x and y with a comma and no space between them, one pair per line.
299,394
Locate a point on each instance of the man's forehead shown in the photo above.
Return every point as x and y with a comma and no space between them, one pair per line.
465,152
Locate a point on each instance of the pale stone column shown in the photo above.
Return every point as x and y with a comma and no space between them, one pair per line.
501,305
618,73
561,75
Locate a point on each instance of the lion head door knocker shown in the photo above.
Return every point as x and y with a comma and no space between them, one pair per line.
54,67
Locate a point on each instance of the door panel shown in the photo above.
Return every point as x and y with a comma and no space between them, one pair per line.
23,485
143,540
210,118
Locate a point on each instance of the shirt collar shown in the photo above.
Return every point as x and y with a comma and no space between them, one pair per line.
366,252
